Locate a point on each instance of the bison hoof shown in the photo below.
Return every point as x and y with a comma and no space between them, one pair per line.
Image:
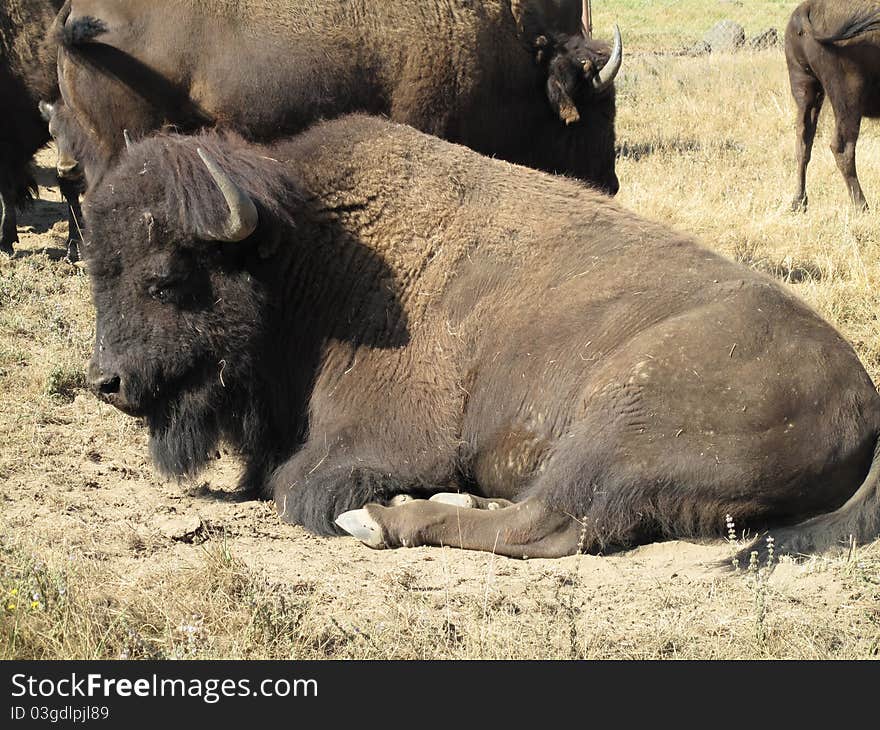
457,499
359,524
400,499
799,204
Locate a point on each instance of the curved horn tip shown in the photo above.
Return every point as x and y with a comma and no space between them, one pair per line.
243,216
609,71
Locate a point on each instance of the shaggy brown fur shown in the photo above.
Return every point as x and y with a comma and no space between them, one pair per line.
833,49
462,70
411,317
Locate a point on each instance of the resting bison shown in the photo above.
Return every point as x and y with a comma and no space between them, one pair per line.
477,73
23,78
365,311
833,48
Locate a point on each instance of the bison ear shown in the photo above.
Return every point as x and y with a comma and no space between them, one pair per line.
243,216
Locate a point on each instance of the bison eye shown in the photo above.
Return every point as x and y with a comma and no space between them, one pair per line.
161,292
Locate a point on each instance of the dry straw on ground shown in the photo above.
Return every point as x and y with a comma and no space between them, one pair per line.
90,568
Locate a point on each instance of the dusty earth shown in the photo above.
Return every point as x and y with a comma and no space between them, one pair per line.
122,563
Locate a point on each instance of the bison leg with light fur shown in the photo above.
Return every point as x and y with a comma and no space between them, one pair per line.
472,501
525,530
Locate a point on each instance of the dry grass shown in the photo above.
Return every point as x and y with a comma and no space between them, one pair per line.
86,569
675,25
73,607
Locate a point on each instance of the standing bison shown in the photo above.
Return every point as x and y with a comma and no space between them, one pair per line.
514,79
365,312
26,75
833,48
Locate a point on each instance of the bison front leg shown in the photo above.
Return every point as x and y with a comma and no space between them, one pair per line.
463,499
320,483
315,499
524,530
70,190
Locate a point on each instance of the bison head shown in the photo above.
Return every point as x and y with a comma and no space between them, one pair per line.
580,72
176,257
65,133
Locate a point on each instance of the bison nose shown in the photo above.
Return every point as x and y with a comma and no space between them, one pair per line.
112,386
108,386
104,384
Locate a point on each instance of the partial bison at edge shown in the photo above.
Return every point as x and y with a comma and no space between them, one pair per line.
833,49
514,79
365,311
27,74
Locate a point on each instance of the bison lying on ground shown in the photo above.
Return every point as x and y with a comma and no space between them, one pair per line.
471,72
365,311
833,48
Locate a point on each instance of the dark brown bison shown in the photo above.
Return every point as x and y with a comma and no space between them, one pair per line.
477,73
27,75
366,312
23,24
833,49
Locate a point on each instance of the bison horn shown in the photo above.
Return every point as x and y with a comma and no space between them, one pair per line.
606,76
127,137
243,216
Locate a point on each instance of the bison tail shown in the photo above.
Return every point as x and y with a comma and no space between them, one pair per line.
81,31
856,26
856,522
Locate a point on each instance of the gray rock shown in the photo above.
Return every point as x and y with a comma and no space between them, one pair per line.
725,36
183,529
768,39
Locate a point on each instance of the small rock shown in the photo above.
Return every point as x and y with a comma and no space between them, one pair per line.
768,39
182,529
700,48
725,36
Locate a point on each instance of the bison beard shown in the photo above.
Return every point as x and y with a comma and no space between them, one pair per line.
188,425
185,432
